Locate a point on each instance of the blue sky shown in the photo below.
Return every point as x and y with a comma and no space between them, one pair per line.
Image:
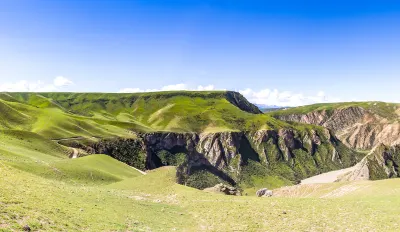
274,52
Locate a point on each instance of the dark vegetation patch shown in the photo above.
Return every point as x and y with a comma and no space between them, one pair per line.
129,151
202,177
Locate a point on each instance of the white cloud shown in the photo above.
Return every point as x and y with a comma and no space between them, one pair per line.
169,88
35,86
284,98
62,81
174,87
205,88
263,96
131,90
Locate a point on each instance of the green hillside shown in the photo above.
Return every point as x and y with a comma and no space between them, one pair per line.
383,109
53,122
155,203
63,115
33,153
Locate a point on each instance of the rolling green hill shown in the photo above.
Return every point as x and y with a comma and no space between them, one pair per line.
58,115
383,109
35,154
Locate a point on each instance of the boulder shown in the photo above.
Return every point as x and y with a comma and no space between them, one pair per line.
264,192
225,189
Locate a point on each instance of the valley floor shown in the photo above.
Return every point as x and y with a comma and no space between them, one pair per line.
153,202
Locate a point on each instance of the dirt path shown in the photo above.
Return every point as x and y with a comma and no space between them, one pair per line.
73,138
144,173
328,177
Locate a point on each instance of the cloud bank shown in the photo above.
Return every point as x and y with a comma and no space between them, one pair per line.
36,86
262,97
169,88
62,81
285,98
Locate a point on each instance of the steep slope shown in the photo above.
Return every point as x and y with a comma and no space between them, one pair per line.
179,111
35,154
54,122
381,163
361,125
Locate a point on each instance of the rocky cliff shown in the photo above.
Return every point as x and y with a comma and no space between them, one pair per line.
241,102
205,159
357,127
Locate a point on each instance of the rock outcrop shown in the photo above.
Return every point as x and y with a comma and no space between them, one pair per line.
264,192
224,189
355,126
241,102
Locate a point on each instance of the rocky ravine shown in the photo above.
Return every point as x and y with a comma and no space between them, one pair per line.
229,156
356,127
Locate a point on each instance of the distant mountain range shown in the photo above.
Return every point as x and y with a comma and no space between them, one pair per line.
269,108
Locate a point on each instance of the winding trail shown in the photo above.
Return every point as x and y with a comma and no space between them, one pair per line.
142,172
72,138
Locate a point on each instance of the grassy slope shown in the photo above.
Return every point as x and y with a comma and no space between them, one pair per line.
136,205
45,204
60,115
386,110
33,153
30,112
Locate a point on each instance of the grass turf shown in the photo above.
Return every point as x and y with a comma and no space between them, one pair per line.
156,203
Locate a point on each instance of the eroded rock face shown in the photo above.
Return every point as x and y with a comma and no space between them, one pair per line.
219,149
287,152
356,127
215,149
226,153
